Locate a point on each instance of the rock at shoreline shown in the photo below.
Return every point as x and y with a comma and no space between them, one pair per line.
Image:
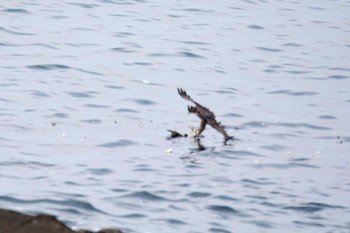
14,222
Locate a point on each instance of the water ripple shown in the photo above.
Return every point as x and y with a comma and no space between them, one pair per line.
304,125
145,196
68,202
309,224
291,93
179,54
114,87
338,77
219,230
134,216
284,166
127,110
87,94
172,221
123,50
59,115
48,67
313,207
327,117
100,171
142,101
15,32
16,10
96,106
199,194
84,5
120,143
225,211
254,26
292,45
92,121
30,164
269,49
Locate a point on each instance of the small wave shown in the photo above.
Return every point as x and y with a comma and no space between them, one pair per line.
139,64
285,166
172,221
275,147
312,207
127,110
92,121
5,100
257,182
225,211
96,106
48,67
145,196
100,171
233,115
114,87
283,135
240,153
189,54
30,164
218,230
71,203
260,223
292,45
59,115
16,10
195,42
327,117
88,71
340,68
120,143
133,216
59,67
291,93
253,124
123,50
297,72
179,54
198,194
40,94
84,5
80,94
198,10
124,34
33,44
254,26
304,125
269,49
309,224
338,77
15,32
142,101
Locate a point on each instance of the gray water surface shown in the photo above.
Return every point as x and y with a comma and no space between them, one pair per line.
88,91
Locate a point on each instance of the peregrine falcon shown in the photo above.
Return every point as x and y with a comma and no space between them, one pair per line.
206,116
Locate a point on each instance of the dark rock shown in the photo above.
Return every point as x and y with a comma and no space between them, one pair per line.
14,222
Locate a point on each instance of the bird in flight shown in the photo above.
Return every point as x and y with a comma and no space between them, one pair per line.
206,116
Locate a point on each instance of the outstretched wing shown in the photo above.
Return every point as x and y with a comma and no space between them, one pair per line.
184,95
205,114
210,118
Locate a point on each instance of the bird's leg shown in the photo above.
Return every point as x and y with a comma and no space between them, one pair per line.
197,131
194,131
